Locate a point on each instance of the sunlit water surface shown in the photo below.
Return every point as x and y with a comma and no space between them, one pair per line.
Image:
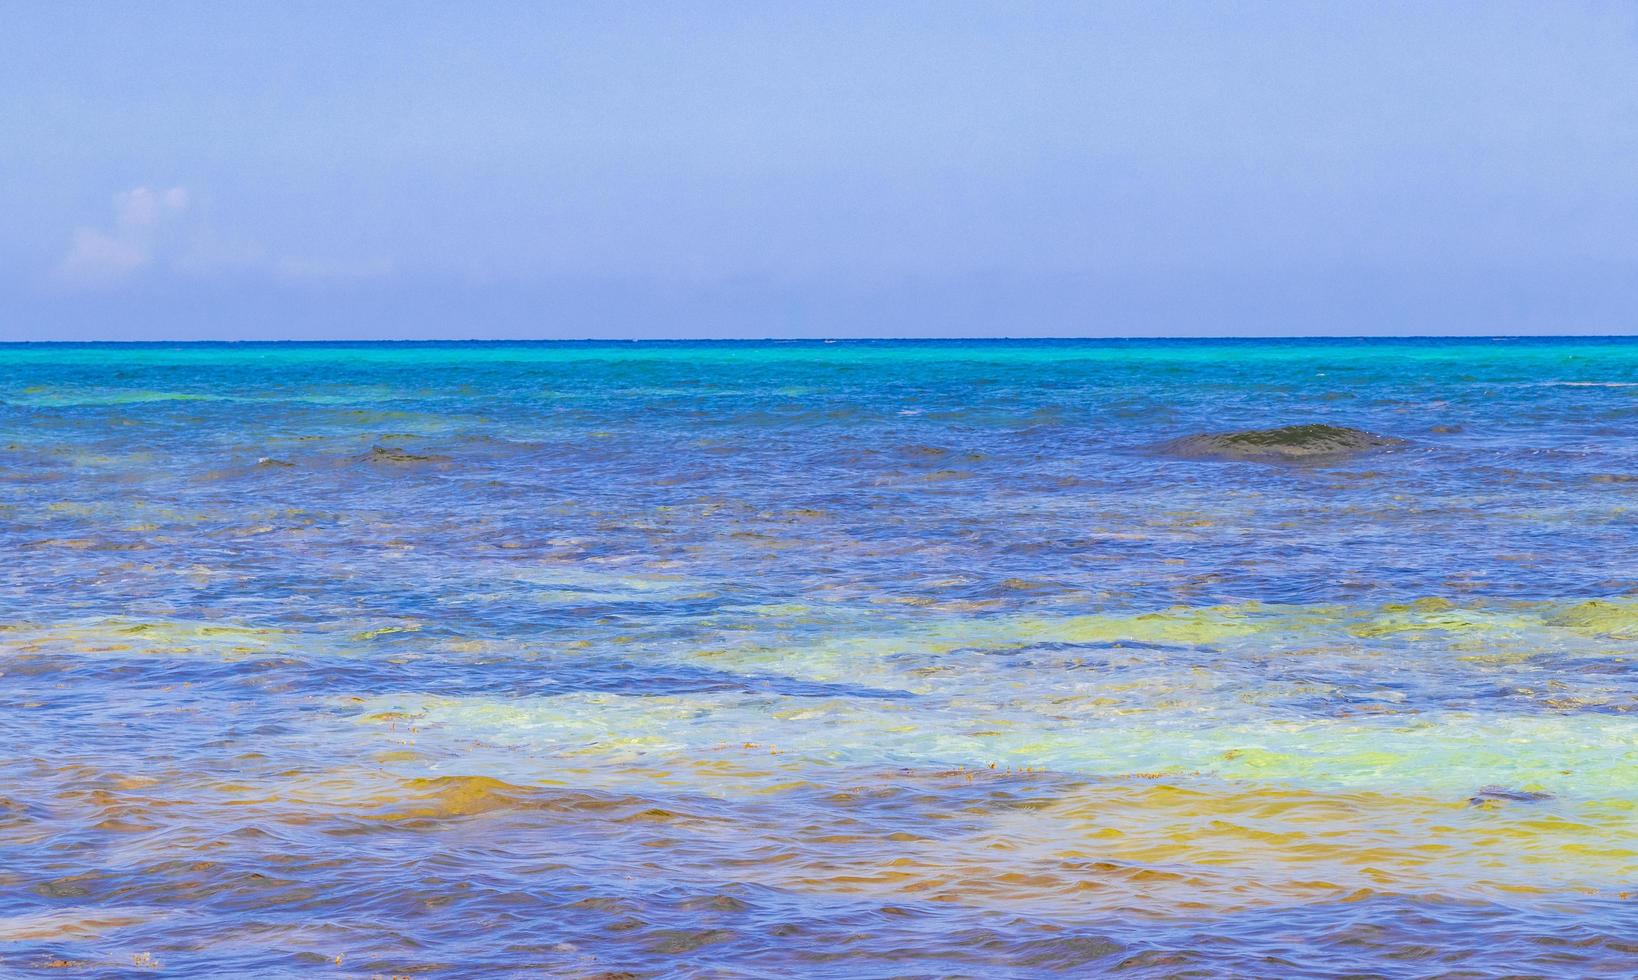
858,659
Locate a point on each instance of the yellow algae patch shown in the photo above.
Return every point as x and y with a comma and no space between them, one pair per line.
1167,848
1208,624
927,645
1618,619
1181,624
1437,614
788,610
1452,754
579,583
385,631
153,638
1296,843
1042,843
865,647
976,836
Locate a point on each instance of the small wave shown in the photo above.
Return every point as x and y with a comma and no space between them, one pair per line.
1581,384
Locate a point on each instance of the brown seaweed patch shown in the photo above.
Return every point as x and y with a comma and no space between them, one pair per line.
1291,442
79,922
441,798
397,456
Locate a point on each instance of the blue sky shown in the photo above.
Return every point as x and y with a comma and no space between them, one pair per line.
340,170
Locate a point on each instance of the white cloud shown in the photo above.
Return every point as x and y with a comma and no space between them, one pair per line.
156,230
141,227
143,207
100,258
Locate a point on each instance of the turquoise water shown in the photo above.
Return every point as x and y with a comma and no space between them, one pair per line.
852,659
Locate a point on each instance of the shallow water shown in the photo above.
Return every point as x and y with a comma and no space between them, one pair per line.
817,659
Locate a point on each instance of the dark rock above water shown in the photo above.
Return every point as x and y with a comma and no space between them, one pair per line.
1291,442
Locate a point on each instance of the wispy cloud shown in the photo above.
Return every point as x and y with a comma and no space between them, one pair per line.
153,231
142,223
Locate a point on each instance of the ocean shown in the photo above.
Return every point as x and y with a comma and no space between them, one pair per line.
867,658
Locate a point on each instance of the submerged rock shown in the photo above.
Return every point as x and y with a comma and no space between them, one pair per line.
1491,795
1291,442
394,456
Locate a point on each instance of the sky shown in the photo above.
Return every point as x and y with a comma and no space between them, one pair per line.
341,170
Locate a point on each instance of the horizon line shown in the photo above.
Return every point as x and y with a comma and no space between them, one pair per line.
1493,337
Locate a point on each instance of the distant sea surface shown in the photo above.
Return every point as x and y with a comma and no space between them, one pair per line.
817,659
